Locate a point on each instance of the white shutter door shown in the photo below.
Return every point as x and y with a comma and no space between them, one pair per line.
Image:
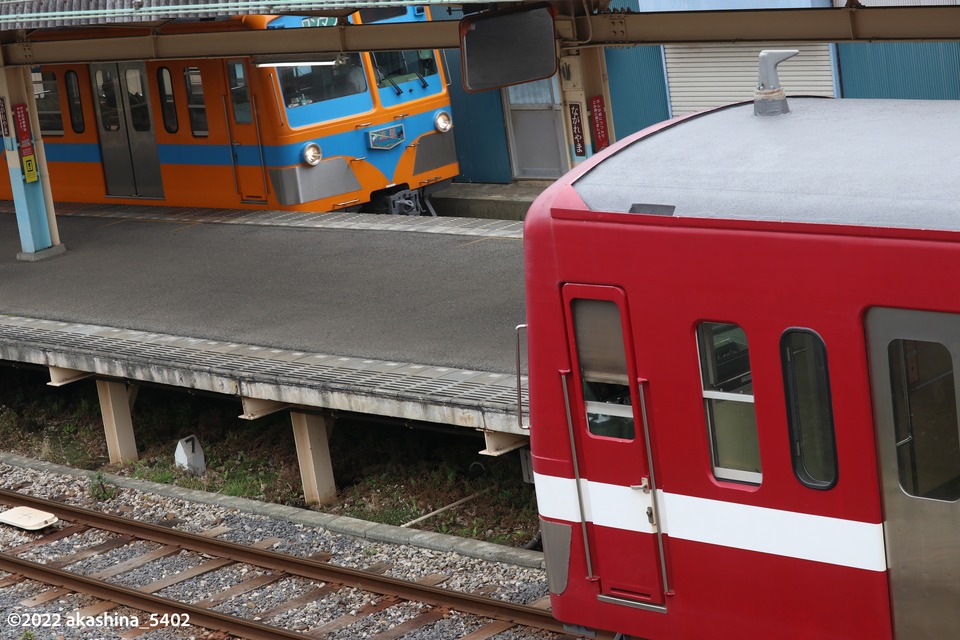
701,76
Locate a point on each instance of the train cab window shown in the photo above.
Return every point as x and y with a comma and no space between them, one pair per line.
397,67
321,79
168,108
603,368
809,408
196,107
47,94
239,92
728,402
925,419
73,101
378,14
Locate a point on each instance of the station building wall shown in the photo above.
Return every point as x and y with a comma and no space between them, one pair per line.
649,84
900,70
478,125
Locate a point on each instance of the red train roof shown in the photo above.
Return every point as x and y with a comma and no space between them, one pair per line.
877,163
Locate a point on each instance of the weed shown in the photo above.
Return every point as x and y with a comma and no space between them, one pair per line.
99,489
385,473
27,635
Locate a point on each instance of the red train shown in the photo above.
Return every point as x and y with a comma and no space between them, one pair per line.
743,337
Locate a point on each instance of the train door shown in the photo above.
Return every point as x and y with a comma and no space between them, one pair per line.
245,134
128,144
611,437
913,359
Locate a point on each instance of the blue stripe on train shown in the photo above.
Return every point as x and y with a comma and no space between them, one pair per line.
351,144
71,151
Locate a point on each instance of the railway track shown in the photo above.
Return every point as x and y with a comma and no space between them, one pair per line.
386,591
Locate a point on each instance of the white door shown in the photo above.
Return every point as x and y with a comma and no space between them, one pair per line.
535,127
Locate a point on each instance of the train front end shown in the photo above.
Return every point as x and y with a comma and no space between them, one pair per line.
361,130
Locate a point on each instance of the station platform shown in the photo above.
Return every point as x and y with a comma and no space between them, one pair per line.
412,318
490,201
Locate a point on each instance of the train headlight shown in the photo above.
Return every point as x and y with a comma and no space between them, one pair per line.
442,122
312,155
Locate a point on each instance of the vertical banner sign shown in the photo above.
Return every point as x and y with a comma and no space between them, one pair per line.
576,123
600,136
21,122
4,127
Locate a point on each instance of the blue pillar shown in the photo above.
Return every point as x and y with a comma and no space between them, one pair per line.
36,224
29,203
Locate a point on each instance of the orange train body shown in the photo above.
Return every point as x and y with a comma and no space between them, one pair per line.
327,133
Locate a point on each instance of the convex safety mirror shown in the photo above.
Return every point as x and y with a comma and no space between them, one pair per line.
502,48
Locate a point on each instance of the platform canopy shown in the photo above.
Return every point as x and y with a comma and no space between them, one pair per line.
592,21
42,14
135,29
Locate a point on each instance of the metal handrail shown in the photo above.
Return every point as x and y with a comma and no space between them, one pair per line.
520,327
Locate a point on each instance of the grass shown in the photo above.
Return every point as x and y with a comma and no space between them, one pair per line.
384,472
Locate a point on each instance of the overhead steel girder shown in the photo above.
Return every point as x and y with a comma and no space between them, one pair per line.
375,37
752,25
758,25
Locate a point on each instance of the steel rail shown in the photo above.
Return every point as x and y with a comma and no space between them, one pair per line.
121,595
303,567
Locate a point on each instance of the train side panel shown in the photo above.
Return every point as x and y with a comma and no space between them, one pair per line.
775,560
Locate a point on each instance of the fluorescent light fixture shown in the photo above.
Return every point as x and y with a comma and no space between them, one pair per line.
328,63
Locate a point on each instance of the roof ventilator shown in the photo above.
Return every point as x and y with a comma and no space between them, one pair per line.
769,99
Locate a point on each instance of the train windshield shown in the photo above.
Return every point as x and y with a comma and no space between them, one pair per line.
396,67
304,83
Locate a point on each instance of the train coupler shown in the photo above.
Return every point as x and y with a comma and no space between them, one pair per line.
409,202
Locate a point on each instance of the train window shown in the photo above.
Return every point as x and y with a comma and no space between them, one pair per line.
395,67
925,419
239,93
47,94
381,13
196,107
728,402
73,102
106,85
603,368
323,78
137,96
809,408
168,108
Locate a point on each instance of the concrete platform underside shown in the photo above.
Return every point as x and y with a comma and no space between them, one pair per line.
458,397
408,320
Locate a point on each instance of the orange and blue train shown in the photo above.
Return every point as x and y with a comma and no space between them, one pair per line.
324,132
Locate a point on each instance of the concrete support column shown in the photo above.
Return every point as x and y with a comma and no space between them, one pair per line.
312,433
115,401
32,199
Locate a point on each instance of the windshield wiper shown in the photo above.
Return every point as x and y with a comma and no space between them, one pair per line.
384,76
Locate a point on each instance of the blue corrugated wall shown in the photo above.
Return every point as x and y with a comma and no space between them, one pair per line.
479,130
909,70
478,126
638,83
638,88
